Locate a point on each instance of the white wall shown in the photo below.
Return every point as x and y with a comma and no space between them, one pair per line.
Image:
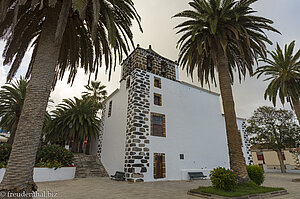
113,144
194,127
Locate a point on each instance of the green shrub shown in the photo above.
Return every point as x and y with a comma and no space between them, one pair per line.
5,150
224,179
256,174
54,156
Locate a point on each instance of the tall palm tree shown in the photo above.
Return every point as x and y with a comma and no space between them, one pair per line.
98,94
284,71
11,102
225,36
65,35
75,120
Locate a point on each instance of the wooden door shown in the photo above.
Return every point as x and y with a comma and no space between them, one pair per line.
158,160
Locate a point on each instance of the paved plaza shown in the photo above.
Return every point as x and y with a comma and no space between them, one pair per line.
104,188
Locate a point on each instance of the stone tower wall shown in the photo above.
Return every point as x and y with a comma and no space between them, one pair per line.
137,129
138,59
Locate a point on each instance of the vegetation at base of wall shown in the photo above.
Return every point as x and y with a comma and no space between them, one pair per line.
54,156
224,179
5,150
256,174
240,190
50,156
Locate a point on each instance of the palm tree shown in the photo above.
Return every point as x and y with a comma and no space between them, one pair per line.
225,36
284,71
97,93
11,102
74,120
65,35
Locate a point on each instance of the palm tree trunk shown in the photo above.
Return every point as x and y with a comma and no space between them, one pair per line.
87,147
296,105
19,172
280,158
13,131
236,157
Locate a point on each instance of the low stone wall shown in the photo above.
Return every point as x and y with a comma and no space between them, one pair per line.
252,196
288,170
49,174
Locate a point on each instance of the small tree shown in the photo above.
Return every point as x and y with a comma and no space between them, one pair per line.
273,129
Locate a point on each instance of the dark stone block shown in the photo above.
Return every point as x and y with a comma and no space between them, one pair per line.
132,153
138,117
137,133
136,149
144,161
137,165
137,125
139,180
143,170
137,157
146,141
132,144
143,137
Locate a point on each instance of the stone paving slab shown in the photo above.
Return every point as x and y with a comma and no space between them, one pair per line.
104,188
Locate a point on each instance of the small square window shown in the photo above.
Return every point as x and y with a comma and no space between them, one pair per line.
157,99
157,82
181,156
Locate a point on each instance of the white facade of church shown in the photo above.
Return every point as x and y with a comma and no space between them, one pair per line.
158,128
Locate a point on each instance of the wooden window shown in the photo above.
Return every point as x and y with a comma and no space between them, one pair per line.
159,165
149,62
260,156
158,125
128,83
181,156
157,99
109,108
157,82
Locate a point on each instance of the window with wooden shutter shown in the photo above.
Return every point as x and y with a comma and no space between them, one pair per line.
158,125
157,99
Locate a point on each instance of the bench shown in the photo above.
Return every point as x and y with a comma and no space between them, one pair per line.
196,175
119,176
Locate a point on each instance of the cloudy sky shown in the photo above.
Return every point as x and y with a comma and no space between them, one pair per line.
159,31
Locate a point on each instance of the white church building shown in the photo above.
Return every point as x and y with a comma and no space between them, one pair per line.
155,127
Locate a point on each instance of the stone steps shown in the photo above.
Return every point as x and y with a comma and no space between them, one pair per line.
88,166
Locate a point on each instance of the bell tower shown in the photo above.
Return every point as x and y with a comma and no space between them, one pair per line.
135,71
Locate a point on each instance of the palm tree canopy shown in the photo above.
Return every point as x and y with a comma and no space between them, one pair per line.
95,91
93,29
11,102
284,71
226,24
74,118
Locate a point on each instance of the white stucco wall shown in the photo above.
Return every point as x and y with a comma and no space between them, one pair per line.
113,145
194,127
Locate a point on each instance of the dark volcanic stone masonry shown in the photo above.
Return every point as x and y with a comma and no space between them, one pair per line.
100,138
137,132
138,59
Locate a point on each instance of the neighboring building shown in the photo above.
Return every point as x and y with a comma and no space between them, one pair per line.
155,127
268,159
